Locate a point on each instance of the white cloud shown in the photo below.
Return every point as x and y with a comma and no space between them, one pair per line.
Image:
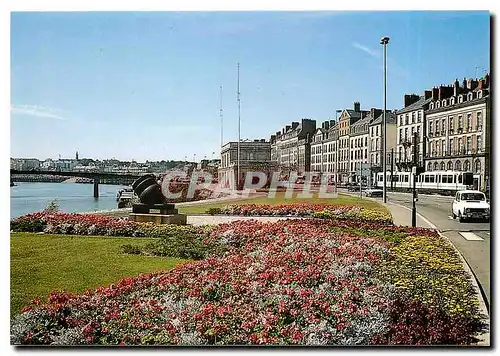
37,111
365,49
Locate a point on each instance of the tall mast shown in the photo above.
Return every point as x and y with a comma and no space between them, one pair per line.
221,120
239,128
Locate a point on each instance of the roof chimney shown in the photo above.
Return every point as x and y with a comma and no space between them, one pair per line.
332,123
326,125
435,93
295,124
357,106
427,94
486,81
411,99
464,84
456,88
445,92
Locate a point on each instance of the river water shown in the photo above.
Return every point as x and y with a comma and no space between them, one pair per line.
72,197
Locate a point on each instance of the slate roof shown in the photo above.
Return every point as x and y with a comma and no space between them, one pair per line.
390,118
415,106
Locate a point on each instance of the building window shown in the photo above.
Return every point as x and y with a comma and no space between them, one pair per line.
437,127
413,117
435,166
400,120
376,130
366,141
460,123
429,166
479,125
450,148
430,128
458,166
460,99
431,106
479,144
444,102
438,104
467,166
450,165
469,144
478,166
443,147
406,119
452,100
469,122
406,134
419,116
442,166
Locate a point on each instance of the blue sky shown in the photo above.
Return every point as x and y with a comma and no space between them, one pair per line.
146,85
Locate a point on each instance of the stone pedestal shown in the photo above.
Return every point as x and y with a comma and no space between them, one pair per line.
177,219
158,214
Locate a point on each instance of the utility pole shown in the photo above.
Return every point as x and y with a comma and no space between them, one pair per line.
239,129
415,162
392,168
384,41
221,120
360,180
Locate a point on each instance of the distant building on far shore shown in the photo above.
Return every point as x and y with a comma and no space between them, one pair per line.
255,156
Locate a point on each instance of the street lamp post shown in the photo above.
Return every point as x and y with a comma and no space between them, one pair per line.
336,153
384,41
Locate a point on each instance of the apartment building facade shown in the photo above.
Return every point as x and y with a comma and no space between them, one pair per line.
459,129
346,120
290,148
411,119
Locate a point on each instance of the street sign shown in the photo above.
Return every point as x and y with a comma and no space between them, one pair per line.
365,169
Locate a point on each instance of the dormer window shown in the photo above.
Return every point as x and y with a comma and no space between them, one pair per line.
460,99
431,106
452,101
438,105
480,94
444,102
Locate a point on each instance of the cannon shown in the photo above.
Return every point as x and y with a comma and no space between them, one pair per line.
153,206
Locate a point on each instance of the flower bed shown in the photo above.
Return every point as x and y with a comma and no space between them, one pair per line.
283,283
323,211
93,224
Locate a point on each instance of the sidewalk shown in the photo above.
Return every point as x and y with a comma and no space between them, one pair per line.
401,215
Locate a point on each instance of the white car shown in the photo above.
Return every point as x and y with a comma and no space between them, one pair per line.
470,204
374,192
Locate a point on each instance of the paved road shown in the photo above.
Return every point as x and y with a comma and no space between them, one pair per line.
474,244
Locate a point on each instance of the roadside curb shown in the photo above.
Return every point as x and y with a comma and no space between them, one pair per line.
484,338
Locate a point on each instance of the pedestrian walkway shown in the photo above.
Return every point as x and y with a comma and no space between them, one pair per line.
401,215
199,220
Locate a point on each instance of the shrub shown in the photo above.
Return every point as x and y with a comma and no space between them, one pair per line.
29,223
52,206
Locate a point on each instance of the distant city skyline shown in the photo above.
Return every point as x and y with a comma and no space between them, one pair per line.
145,86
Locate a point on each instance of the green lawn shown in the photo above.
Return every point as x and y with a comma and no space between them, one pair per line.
342,199
41,263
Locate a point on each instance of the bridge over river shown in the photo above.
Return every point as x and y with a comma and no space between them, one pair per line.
97,177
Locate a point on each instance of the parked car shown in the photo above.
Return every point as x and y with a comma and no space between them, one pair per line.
374,192
470,204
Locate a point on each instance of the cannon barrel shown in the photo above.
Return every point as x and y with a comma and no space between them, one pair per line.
148,190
